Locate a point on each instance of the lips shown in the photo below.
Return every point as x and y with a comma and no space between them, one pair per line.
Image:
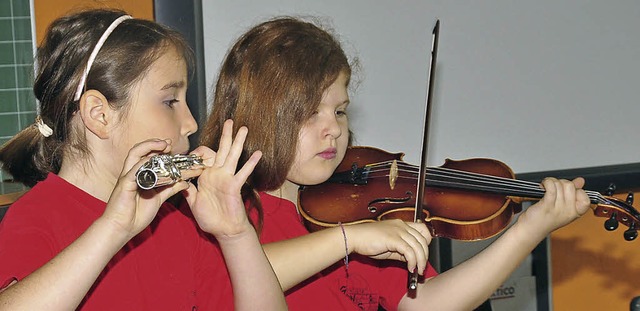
328,153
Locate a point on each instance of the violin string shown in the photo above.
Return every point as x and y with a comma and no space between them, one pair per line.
518,184
481,182
484,182
461,178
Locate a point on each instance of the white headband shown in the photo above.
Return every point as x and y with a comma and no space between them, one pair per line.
95,51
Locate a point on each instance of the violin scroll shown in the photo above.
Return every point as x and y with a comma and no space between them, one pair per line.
618,211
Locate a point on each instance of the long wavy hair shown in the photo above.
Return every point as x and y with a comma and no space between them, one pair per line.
272,81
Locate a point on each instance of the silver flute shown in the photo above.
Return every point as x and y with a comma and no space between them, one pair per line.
166,169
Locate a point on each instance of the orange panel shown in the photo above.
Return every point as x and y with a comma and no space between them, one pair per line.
594,269
46,10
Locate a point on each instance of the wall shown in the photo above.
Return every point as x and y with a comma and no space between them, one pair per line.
17,102
593,269
46,10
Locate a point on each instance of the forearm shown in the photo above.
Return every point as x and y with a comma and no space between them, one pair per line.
468,284
252,277
295,260
62,283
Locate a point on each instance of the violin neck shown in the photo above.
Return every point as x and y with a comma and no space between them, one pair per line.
483,183
525,190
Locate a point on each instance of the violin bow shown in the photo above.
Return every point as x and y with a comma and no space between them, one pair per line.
413,276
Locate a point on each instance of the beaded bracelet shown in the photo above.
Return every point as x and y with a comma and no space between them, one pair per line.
346,249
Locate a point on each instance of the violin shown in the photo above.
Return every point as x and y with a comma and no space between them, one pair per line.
467,200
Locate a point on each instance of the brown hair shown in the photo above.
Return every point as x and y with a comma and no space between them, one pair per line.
61,59
272,80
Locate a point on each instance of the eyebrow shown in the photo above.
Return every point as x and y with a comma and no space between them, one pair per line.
173,84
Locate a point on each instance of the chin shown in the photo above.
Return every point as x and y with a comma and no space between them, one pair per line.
321,178
314,179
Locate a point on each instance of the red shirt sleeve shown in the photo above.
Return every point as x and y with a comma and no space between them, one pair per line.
24,247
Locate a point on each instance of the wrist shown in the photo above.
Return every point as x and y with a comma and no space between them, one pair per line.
239,238
346,248
344,238
526,231
114,231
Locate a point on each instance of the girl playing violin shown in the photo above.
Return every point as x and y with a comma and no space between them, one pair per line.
287,80
112,92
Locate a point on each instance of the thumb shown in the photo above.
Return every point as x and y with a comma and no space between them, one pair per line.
190,194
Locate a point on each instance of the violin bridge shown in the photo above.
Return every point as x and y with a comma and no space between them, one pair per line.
393,174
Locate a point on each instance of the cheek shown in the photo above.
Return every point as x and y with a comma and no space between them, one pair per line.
342,143
159,125
304,169
148,126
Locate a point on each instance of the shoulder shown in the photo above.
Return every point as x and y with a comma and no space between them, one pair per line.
53,212
53,198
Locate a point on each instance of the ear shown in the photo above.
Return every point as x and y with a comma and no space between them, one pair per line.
96,113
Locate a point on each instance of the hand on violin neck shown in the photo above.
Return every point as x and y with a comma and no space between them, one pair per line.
392,239
564,201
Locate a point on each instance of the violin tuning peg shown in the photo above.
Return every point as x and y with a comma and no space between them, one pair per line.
611,223
611,189
630,234
630,198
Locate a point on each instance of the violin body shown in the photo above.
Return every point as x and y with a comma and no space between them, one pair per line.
447,212
467,200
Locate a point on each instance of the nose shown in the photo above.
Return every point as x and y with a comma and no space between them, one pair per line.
189,124
332,127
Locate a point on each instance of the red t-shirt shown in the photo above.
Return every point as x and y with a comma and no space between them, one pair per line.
170,265
370,282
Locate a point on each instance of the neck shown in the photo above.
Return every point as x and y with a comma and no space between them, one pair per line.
288,191
89,177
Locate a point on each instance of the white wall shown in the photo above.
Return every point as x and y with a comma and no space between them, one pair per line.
540,85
